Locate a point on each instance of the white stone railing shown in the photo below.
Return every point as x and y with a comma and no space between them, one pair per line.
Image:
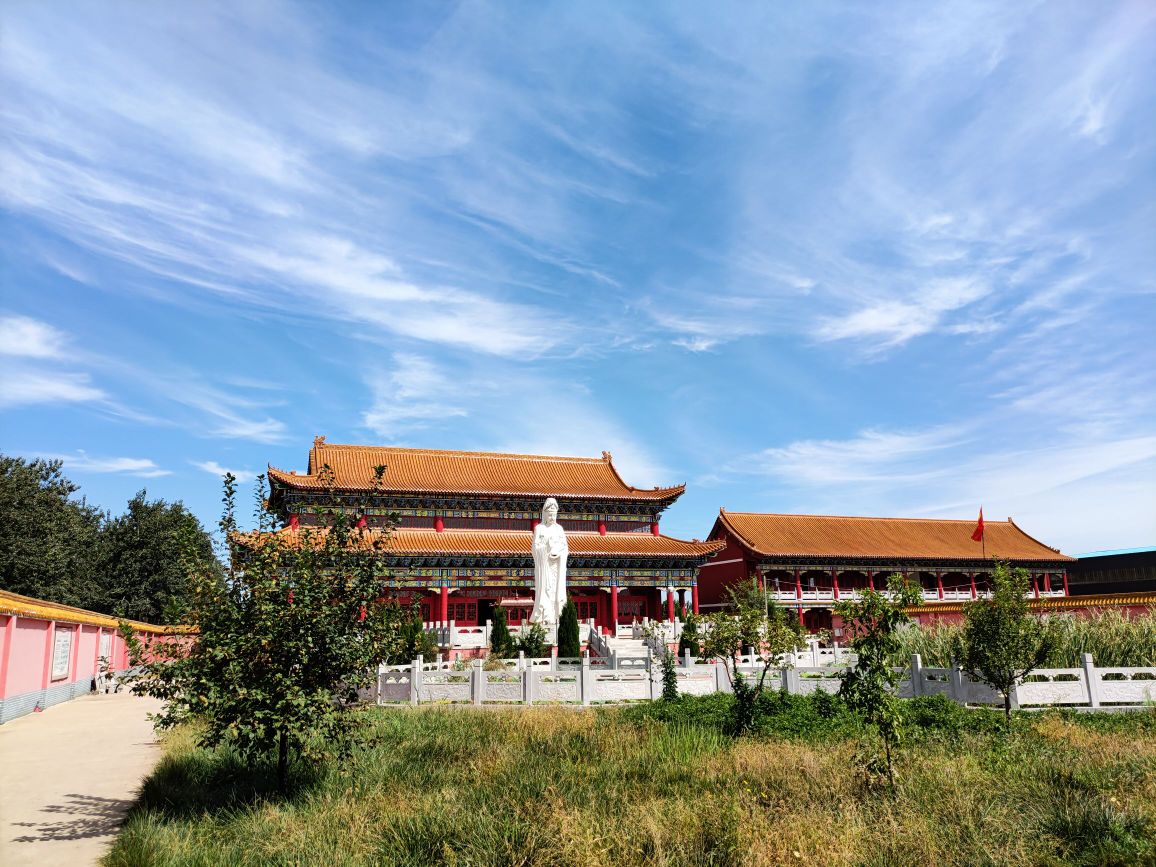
789,596
614,679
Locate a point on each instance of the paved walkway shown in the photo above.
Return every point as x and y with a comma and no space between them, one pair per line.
68,775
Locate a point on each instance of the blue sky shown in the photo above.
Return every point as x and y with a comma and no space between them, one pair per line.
884,259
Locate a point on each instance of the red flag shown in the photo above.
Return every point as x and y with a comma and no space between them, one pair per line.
977,536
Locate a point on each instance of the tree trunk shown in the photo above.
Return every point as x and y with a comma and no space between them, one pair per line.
283,761
1007,710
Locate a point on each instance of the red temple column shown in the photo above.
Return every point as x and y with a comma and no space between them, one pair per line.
613,608
974,595
835,583
802,620
1035,585
1047,582
694,597
1066,583
444,605
870,580
601,528
670,604
939,583
799,589
439,524
654,527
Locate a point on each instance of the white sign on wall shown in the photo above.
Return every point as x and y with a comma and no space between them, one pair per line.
61,652
105,651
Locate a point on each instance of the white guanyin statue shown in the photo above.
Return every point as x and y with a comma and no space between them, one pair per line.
550,553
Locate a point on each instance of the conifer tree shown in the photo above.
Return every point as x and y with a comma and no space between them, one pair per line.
501,643
569,645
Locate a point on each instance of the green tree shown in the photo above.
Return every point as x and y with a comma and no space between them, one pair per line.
284,643
669,676
48,539
690,639
873,621
501,642
415,641
569,645
766,630
1002,642
532,642
145,557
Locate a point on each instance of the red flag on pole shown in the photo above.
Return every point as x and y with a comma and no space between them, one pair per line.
977,536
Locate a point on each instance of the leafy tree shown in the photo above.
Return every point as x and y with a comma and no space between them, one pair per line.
569,645
48,539
690,640
1002,642
284,644
501,642
873,621
415,641
532,642
669,676
766,629
144,559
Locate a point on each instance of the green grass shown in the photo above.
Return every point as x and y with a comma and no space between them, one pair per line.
1114,639
659,784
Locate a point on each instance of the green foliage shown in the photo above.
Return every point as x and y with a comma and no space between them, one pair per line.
415,641
501,642
1113,639
753,623
284,644
147,555
569,645
690,638
1002,642
60,549
1090,829
669,677
873,621
532,643
48,540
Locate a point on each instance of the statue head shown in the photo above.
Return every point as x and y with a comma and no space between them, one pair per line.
550,511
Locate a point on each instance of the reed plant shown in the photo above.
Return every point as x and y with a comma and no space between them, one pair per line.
1113,638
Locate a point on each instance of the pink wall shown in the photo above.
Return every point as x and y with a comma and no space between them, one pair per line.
26,657
26,653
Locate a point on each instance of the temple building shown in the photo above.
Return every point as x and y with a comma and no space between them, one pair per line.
809,562
463,544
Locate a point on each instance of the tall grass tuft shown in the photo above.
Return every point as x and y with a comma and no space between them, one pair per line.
1114,640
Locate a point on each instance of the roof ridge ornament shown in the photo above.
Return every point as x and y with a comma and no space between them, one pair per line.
318,441
606,456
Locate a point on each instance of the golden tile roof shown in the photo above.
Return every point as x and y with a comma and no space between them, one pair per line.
834,537
452,472
513,543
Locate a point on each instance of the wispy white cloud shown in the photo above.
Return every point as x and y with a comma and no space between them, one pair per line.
21,386
82,462
30,338
216,469
412,395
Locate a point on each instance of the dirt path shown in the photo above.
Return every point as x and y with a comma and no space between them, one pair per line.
68,775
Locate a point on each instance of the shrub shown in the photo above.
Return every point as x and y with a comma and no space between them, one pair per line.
569,645
532,642
501,642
